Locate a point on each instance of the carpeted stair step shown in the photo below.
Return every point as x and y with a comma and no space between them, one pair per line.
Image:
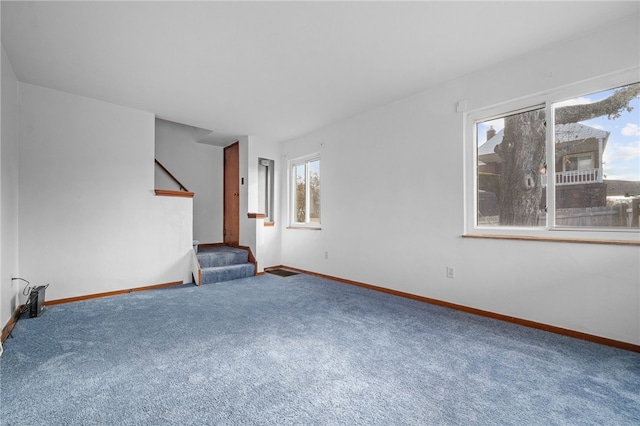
214,274
221,256
224,263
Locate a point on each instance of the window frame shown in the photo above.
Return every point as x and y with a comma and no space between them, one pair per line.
267,191
544,99
292,164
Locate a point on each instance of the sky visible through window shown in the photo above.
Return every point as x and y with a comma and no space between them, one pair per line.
622,153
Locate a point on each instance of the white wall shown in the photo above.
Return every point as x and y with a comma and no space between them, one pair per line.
393,203
247,226
89,220
267,245
199,167
8,193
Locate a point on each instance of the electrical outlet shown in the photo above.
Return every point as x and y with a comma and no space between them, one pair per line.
326,255
451,272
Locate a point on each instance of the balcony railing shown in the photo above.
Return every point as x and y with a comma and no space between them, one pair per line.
576,177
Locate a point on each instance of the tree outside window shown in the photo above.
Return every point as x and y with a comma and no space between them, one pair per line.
593,174
306,194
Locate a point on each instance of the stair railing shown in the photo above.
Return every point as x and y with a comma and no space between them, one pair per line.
182,187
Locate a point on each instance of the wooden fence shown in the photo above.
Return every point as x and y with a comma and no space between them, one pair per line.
592,217
625,215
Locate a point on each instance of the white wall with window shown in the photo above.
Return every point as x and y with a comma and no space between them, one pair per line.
263,196
266,175
394,198
305,243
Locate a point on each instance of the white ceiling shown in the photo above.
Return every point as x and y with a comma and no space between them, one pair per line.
276,69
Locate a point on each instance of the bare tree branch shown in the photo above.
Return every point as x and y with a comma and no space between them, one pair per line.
611,107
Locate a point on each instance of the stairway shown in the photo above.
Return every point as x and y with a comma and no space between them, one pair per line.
224,263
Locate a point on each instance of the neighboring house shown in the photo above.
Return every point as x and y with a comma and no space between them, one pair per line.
579,172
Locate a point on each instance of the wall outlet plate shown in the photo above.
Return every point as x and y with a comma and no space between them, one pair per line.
451,272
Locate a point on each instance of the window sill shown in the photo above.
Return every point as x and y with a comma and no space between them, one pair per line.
309,228
554,239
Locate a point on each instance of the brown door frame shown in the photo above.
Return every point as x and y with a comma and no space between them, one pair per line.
231,195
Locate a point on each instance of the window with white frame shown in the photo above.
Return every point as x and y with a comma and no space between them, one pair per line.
566,161
265,188
305,191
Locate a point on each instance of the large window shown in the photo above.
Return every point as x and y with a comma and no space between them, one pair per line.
305,192
560,163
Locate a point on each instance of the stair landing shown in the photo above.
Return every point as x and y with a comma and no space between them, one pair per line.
224,263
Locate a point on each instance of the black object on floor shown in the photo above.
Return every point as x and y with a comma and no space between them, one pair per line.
281,272
35,303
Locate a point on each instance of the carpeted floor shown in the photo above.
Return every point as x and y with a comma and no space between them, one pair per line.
306,351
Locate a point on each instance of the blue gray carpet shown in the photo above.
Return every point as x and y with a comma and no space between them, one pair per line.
306,351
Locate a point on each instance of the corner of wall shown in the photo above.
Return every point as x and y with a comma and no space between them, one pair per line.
9,293
264,241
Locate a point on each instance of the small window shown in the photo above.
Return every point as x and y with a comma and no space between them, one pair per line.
265,188
305,192
577,162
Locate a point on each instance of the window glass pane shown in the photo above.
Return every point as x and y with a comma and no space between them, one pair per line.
265,187
314,191
300,193
511,157
597,155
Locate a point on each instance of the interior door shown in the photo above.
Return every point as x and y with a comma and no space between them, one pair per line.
231,231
